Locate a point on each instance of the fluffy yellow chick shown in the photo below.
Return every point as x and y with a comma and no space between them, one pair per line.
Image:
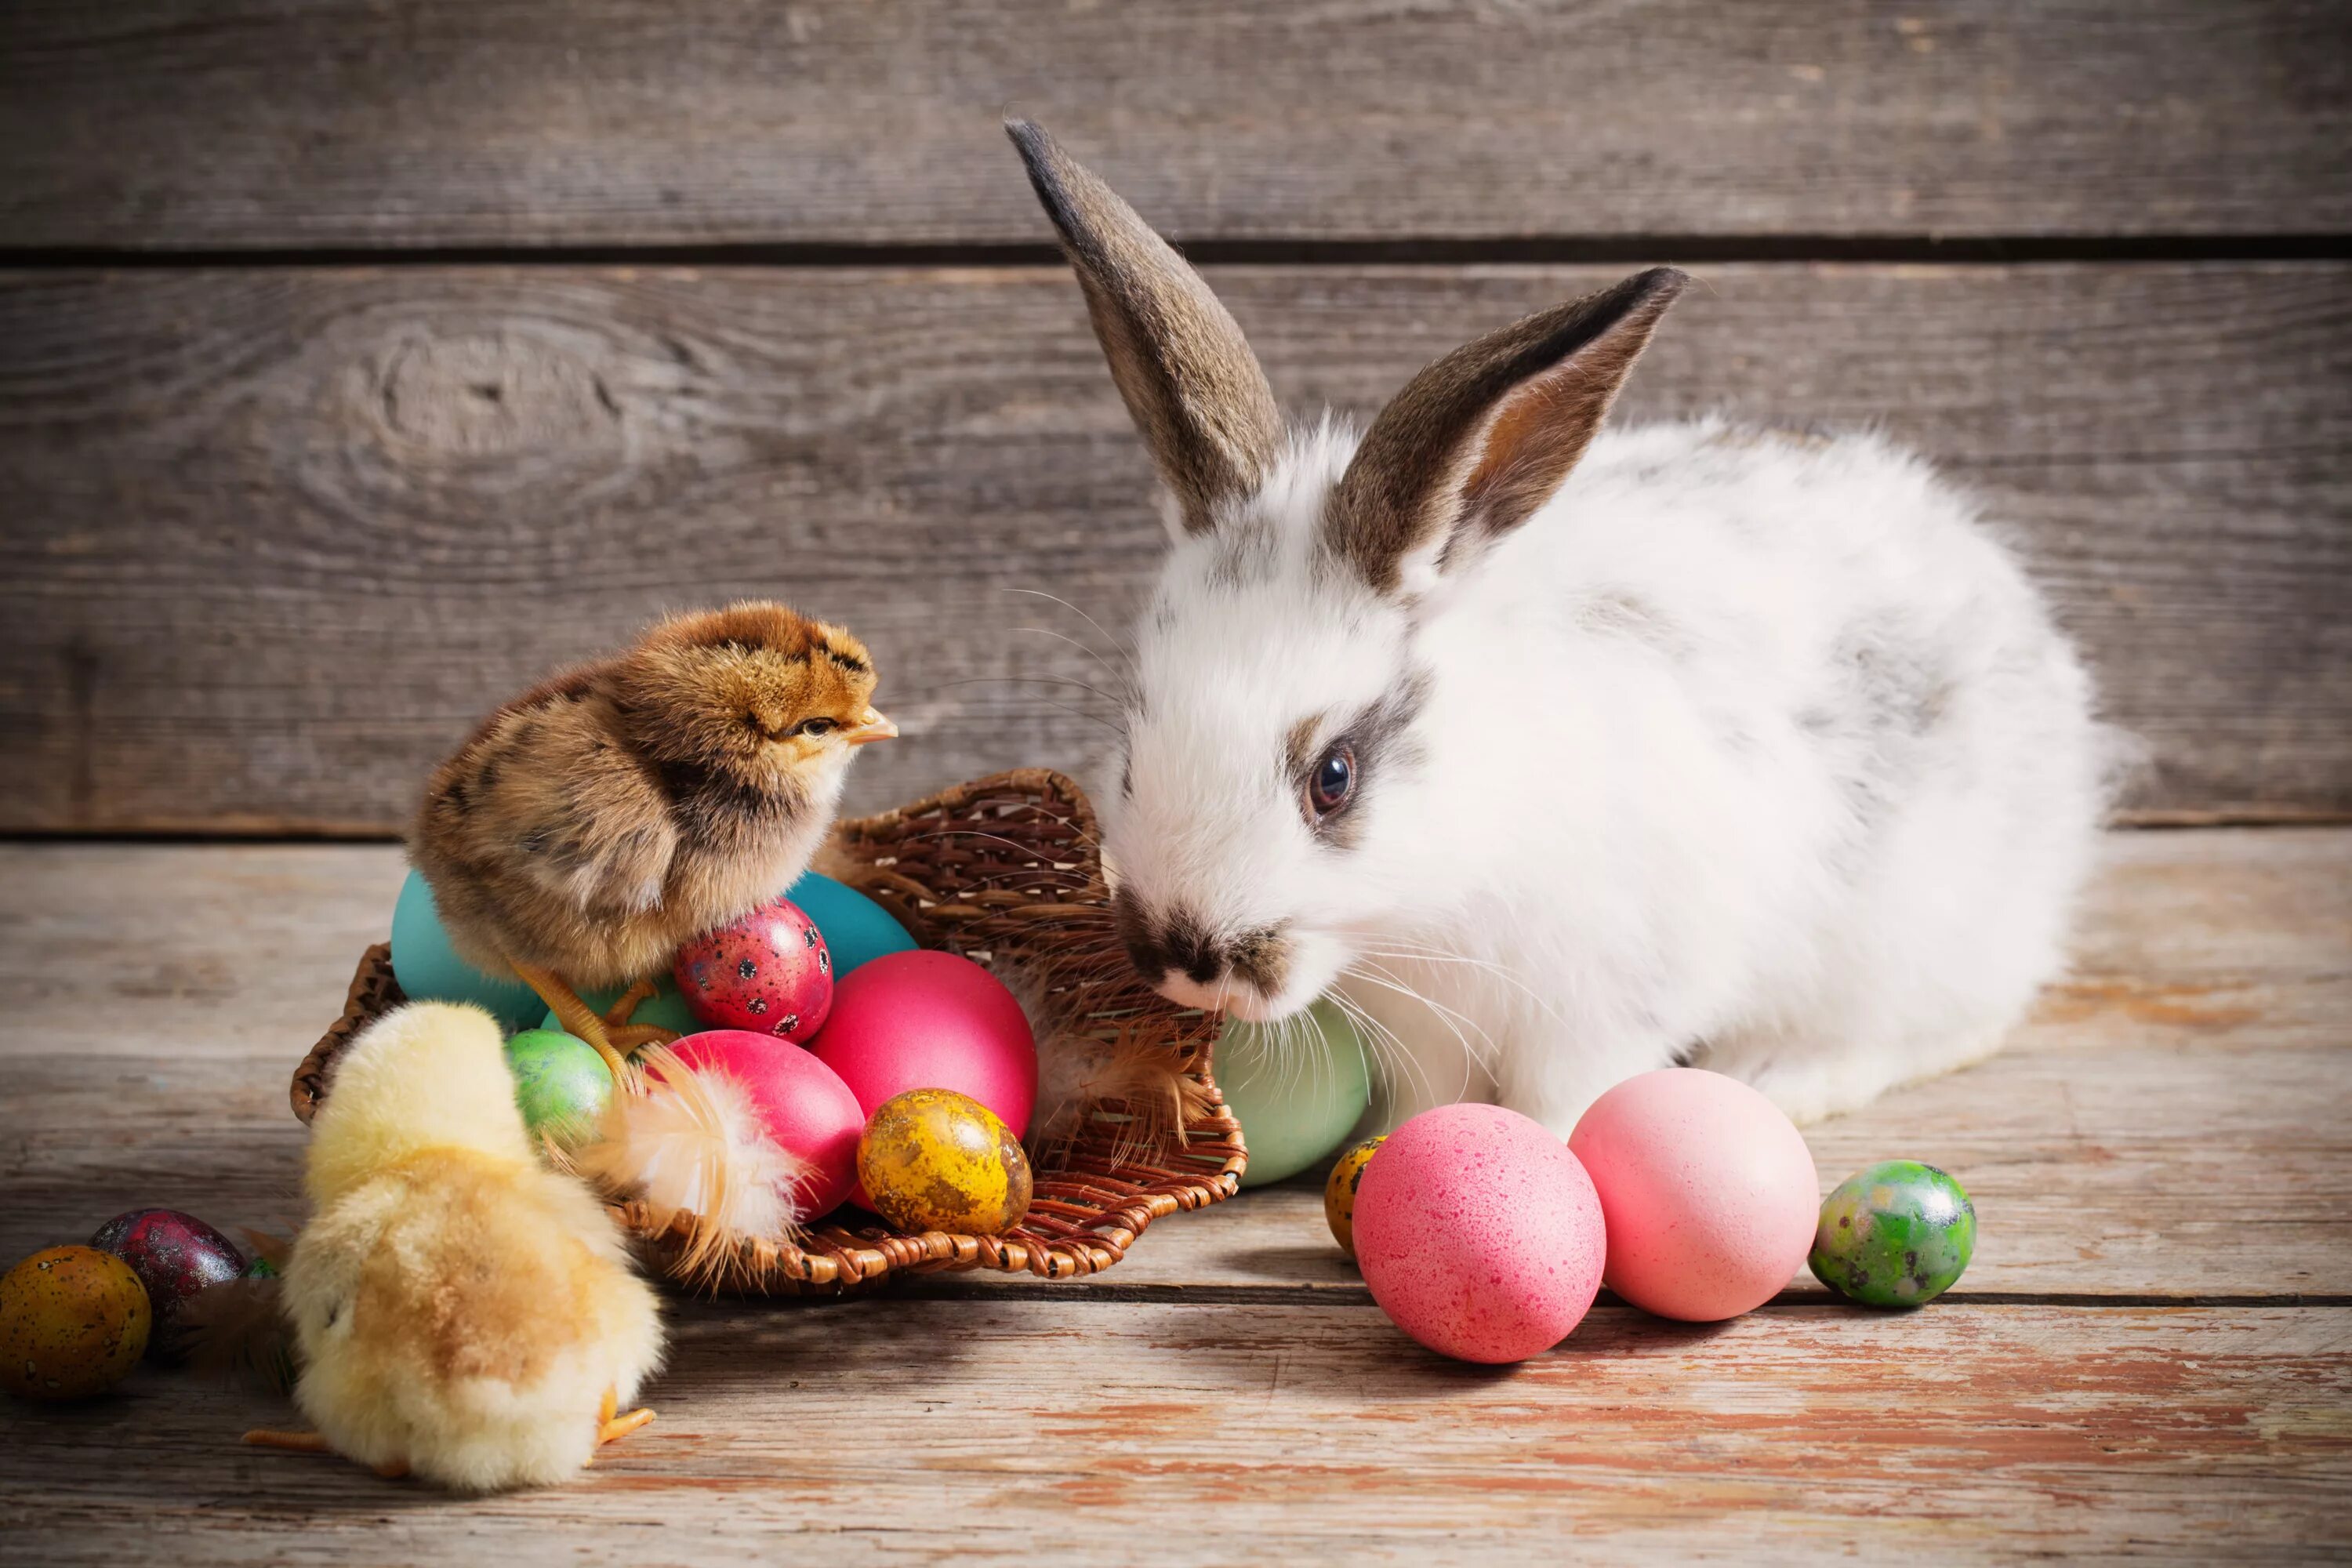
459,1310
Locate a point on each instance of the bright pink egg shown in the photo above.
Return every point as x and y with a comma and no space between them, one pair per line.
806,1107
932,1020
769,971
1479,1233
1709,1191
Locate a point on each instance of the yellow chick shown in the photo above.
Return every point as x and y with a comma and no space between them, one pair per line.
459,1310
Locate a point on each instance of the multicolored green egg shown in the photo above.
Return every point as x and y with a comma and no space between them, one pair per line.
1895,1234
931,1159
1339,1192
73,1322
560,1083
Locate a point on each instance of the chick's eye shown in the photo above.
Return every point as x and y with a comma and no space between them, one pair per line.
1333,780
817,726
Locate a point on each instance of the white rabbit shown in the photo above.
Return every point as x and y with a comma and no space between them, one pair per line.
1559,756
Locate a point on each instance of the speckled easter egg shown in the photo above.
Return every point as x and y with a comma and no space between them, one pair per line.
174,1255
802,1104
1895,1234
1709,1190
1479,1233
857,929
769,971
73,1322
429,969
665,1009
1298,1088
932,1159
560,1083
1339,1192
932,1020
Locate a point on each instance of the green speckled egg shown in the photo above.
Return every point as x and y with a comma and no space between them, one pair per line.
560,1083
1296,1088
1895,1234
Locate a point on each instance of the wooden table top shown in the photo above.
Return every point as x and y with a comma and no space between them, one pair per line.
2151,1357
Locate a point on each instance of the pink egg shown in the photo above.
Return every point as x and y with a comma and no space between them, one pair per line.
1709,1191
1479,1233
806,1107
932,1020
769,971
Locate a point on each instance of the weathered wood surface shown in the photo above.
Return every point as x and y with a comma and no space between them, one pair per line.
274,538
146,123
2177,1123
1092,1432
2147,1362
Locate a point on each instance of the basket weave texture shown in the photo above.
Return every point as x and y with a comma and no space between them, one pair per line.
1003,871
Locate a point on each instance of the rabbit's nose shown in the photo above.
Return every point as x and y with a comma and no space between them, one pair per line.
1174,940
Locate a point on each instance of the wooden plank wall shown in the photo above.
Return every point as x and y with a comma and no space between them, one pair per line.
358,362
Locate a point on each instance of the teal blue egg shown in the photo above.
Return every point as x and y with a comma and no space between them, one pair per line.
560,1083
855,929
429,969
665,1008
1298,1088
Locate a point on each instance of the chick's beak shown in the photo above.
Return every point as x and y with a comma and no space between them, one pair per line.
871,727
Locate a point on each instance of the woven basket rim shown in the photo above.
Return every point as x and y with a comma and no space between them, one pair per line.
1098,1195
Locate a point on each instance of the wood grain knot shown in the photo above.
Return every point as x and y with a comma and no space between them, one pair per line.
495,394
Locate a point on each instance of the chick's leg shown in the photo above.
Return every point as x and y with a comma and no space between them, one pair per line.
611,1427
576,1017
627,1036
288,1442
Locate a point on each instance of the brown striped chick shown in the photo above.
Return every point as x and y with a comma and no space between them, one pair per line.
594,824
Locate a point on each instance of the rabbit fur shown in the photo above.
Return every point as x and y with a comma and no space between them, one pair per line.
1689,743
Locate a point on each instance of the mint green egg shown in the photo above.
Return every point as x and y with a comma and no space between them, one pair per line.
664,1009
1297,1086
560,1083
429,969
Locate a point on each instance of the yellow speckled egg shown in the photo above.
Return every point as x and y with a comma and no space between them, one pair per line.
932,1159
73,1322
1339,1192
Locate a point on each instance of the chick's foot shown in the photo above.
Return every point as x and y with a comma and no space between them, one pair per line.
576,1017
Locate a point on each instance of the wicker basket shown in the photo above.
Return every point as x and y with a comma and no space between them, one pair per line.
1003,871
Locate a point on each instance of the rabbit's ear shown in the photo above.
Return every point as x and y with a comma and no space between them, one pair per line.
1480,440
1189,381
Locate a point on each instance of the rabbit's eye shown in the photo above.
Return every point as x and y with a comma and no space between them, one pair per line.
1333,780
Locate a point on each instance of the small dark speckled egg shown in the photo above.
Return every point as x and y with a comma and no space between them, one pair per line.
1895,1234
1339,1192
73,1322
769,973
174,1255
932,1159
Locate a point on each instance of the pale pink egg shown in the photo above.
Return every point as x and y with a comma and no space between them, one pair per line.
804,1105
1479,1233
1709,1191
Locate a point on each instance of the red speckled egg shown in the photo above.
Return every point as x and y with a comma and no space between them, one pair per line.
1479,1233
174,1255
769,973
804,1104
